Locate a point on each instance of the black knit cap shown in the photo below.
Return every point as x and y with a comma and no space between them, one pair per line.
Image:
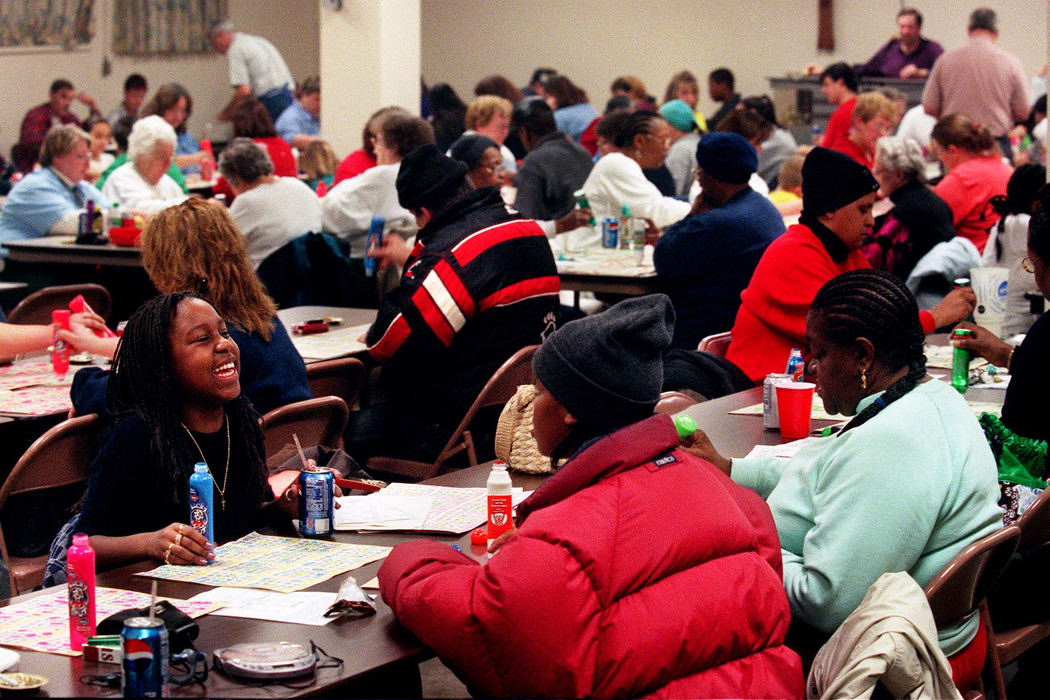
469,148
607,370
831,180
427,177
727,157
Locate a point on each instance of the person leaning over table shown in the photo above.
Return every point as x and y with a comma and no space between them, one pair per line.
195,247
904,486
636,569
142,184
837,196
479,285
176,387
50,200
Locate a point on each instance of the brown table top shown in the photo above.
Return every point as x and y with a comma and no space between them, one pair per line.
63,249
365,645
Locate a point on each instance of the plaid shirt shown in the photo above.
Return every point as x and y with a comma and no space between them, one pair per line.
37,122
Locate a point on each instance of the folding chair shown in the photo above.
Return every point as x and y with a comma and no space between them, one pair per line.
1005,646
37,307
343,378
717,343
60,457
319,421
499,389
957,593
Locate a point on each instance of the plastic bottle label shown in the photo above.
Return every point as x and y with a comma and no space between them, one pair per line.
198,511
500,518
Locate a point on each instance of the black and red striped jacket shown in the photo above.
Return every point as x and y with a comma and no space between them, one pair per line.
480,284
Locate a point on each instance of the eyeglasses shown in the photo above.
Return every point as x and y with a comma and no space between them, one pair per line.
1028,263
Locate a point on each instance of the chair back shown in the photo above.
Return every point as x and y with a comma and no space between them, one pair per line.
318,421
717,343
60,457
343,377
498,390
1034,523
37,307
672,402
956,592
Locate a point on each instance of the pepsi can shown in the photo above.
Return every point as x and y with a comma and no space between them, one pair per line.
145,644
316,502
610,232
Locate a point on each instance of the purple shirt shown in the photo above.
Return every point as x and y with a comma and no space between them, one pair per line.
890,59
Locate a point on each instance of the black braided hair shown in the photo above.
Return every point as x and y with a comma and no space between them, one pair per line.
875,304
143,383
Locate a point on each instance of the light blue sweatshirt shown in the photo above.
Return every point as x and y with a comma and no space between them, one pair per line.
905,491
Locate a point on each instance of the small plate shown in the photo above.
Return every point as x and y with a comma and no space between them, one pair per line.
81,358
21,682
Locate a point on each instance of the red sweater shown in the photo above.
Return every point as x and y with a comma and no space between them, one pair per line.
968,189
353,165
839,125
637,569
281,156
773,308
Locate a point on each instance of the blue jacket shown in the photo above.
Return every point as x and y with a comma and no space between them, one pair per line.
708,259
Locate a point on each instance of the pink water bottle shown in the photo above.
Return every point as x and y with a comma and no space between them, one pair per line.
59,349
80,574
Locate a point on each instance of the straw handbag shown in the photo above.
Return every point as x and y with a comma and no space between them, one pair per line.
514,442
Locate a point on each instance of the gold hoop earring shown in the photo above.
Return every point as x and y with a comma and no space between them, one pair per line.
864,380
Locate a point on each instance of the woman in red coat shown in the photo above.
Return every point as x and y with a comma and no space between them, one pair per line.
636,569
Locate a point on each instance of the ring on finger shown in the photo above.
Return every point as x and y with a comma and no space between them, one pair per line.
178,539
179,529
167,553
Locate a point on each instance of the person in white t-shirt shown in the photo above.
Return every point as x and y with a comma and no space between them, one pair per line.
270,211
142,184
256,68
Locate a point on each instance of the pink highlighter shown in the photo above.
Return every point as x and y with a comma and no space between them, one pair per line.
78,306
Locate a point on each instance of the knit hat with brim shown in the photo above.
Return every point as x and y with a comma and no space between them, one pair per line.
607,369
426,177
831,180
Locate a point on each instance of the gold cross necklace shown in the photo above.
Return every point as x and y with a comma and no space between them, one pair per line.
226,475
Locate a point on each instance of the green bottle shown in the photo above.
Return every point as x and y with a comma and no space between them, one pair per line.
961,362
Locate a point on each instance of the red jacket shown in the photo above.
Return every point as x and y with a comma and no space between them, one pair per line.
637,569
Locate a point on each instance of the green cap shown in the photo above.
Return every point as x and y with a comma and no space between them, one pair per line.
685,425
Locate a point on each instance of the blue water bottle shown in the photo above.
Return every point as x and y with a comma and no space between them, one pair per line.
374,240
202,491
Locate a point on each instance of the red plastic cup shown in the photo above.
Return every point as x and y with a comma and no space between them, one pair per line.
795,406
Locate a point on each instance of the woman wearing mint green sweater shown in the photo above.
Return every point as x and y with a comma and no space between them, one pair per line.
904,486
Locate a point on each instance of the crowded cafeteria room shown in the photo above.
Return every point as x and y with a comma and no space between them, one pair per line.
666,350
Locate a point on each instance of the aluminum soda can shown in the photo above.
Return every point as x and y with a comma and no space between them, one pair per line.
316,502
610,232
145,644
770,417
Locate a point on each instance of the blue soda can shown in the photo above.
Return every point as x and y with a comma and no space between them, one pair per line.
145,644
316,502
610,232
374,240
202,493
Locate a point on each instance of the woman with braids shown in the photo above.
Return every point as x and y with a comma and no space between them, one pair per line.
904,486
195,247
176,386
600,602
641,141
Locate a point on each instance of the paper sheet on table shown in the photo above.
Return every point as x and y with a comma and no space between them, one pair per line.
818,412
382,512
785,451
335,343
300,608
453,510
940,356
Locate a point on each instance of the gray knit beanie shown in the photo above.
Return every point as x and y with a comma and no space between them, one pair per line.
607,369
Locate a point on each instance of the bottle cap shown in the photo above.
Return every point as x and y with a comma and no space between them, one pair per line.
961,332
200,467
684,425
625,210
80,540
61,316
499,464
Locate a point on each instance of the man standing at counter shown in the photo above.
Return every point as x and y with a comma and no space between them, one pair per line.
908,55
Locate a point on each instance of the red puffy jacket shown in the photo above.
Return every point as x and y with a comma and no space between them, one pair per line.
637,569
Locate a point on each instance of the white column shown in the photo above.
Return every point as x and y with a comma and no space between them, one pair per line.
370,58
